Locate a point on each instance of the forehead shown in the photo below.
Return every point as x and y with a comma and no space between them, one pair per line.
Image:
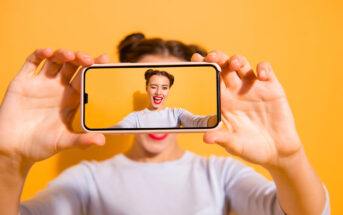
159,59
159,79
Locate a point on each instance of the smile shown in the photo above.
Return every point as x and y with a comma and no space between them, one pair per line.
158,136
157,99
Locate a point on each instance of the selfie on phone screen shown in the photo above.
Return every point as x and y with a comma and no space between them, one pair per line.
168,97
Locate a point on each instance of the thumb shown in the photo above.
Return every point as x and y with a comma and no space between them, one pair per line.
225,139
80,140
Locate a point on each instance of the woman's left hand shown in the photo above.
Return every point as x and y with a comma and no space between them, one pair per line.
259,124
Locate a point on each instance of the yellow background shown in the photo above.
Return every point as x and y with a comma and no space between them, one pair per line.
112,92
301,38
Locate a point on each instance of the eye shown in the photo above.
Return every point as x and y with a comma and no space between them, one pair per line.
165,88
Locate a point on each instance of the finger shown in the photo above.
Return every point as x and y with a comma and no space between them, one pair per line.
102,59
68,70
230,78
81,140
225,139
196,57
55,62
222,85
217,57
82,59
32,62
76,82
265,71
241,65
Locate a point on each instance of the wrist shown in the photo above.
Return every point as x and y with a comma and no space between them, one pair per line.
11,157
299,188
289,165
13,173
13,169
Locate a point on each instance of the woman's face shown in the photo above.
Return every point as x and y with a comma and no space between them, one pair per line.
157,143
158,91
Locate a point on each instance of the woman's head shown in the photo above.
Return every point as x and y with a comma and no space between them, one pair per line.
135,46
158,84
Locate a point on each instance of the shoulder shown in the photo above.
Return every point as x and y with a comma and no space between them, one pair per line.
225,163
134,115
84,172
224,169
219,164
177,111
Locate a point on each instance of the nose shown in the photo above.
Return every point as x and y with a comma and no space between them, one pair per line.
159,91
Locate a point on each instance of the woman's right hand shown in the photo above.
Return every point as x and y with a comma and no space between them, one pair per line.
37,110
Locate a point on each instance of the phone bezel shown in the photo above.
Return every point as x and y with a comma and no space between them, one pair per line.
150,130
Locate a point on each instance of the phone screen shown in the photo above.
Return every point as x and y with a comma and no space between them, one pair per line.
123,97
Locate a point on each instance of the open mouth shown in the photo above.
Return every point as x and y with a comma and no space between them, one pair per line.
157,99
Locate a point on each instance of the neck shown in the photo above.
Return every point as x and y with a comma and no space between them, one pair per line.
137,153
151,108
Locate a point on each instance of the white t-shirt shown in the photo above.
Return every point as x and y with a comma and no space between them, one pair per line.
188,186
169,117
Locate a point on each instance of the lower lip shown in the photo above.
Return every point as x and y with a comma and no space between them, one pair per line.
157,102
158,137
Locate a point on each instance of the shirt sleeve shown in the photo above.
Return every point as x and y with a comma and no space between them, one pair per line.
248,192
130,121
68,194
187,119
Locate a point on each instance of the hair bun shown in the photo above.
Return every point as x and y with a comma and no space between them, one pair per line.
134,37
124,47
131,39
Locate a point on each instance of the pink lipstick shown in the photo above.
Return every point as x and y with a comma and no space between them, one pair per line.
157,99
158,136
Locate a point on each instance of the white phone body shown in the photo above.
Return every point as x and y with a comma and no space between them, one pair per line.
149,130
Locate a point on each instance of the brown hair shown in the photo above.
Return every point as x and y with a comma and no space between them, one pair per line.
150,72
134,46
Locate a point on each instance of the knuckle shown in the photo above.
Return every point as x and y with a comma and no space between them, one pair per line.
37,51
236,58
264,64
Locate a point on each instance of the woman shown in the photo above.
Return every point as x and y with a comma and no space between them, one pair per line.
156,176
157,115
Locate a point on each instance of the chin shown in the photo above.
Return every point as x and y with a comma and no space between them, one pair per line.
155,147
156,107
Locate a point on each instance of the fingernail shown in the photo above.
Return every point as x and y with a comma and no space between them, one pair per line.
213,54
69,54
88,59
263,75
49,50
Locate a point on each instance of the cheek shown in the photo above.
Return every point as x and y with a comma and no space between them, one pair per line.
166,92
150,92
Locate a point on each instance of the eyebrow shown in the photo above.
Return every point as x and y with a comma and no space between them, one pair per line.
163,85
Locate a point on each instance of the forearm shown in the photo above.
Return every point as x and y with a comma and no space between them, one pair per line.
299,188
212,121
12,178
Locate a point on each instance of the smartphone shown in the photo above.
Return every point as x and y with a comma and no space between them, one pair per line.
150,97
